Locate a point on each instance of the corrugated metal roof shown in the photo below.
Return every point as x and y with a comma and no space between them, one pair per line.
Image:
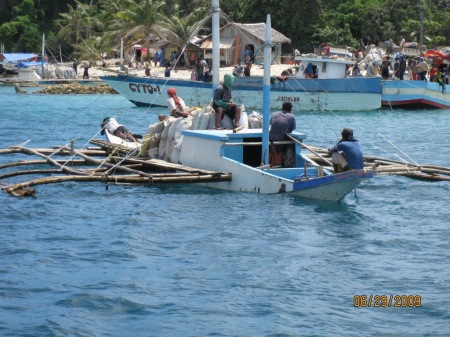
258,30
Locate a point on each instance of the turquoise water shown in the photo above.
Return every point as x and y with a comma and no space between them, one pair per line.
80,260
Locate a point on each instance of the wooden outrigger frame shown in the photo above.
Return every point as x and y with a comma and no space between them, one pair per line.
116,164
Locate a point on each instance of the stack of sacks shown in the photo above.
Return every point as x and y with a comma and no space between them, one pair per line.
176,143
201,117
255,120
150,143
162,143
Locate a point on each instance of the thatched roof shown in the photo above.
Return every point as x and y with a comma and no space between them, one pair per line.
258,30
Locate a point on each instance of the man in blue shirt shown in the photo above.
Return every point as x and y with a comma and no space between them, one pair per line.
347,154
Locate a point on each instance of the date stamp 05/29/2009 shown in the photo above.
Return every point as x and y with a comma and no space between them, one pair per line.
387,301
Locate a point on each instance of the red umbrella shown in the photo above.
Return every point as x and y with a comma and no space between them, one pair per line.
434,53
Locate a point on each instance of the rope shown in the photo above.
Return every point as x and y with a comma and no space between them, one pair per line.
277,52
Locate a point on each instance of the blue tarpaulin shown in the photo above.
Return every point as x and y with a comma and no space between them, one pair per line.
14,57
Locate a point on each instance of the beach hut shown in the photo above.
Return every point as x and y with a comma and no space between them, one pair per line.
236,38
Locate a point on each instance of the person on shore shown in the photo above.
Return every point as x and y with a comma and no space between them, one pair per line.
347,153
239,70
176,105
147,67
167,71
281,122
247,69
86,71
223,102
75,66
156,59
116,129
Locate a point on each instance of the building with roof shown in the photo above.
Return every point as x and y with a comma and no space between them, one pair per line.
236,38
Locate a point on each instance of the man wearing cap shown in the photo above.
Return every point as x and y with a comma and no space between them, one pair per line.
347,154
223,102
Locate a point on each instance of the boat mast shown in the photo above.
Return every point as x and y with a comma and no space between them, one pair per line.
43,56
216,43
121,54
266,92
421,29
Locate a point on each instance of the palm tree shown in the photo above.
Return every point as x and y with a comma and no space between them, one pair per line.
133,21
79,23
180,30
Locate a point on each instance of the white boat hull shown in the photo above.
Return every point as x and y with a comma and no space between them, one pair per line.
398,93
344,94
212,150
119,141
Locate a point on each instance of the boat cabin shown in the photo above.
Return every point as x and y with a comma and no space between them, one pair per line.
323,67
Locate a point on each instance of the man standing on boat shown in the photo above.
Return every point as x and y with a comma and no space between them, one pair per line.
223,102
282,122
347,154
422,69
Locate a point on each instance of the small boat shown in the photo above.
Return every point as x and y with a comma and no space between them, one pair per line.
120,141
17,67
244,153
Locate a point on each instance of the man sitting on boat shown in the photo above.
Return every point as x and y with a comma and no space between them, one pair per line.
177,107
347,154
113,127
223,102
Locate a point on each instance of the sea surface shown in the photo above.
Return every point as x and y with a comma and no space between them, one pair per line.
183,260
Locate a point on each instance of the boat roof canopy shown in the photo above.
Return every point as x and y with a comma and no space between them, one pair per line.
225,43
13,57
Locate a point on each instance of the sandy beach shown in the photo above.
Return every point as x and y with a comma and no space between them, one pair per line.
179,73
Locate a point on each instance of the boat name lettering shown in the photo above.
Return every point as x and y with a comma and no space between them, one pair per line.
288,99
145,88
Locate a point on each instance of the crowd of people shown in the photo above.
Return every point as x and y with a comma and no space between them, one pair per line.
396,65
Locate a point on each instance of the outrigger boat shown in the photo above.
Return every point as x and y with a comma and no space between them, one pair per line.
120,141
244,152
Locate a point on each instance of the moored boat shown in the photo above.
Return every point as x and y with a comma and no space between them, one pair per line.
415,94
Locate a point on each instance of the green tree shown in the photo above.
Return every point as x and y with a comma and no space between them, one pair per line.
21,34
180,30
133,21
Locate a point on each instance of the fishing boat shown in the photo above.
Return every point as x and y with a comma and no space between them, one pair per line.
415,94
17,67
244,153
120,141
331,90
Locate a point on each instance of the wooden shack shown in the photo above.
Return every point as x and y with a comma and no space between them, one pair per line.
236,38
